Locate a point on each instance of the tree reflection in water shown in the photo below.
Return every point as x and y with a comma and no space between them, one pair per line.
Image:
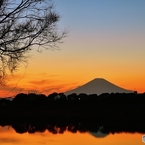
59,127
106,113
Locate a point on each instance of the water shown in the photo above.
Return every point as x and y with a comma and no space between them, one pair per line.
9,136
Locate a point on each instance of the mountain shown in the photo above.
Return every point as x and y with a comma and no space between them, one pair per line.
98,86
99,133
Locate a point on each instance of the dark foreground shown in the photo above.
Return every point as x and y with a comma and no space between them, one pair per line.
115,112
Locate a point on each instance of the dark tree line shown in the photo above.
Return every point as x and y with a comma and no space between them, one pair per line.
123,106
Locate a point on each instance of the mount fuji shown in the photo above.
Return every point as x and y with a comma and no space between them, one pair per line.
98,86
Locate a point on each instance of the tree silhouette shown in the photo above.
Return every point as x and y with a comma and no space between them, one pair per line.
23,24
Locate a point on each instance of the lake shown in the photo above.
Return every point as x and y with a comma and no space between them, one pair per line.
96,120
9,136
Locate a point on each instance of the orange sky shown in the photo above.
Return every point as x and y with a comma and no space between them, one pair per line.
108,41
58,71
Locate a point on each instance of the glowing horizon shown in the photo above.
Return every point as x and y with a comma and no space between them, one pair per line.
106,39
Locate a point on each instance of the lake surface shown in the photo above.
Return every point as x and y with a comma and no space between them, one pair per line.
9,136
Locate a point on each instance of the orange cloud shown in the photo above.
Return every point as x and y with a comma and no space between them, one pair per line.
41,82
37,85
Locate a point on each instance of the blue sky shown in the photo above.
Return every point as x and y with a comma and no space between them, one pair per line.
101,14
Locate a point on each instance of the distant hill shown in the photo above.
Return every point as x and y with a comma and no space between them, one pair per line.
98,86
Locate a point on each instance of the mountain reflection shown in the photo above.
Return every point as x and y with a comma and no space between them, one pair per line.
93,127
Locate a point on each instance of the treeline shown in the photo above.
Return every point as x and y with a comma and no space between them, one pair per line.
119,106
38,99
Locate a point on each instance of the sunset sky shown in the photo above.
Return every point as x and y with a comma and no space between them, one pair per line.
106,40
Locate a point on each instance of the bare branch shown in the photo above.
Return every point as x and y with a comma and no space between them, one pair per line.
23,24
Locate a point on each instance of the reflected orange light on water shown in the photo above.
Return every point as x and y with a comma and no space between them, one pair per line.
9,136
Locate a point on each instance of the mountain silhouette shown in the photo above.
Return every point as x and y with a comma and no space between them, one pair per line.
98,86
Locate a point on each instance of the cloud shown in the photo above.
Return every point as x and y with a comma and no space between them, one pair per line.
46,75
54,75
40,82
45,88
59,88
48,79
9,91
18,84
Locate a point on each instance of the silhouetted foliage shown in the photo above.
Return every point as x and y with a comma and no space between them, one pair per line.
20,99
23,24
123,106
72,97
59,127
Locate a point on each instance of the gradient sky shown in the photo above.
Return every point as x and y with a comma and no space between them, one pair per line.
106,40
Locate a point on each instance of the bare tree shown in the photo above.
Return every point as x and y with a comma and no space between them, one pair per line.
23,24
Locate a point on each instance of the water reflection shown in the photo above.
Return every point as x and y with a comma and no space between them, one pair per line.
99,133
95,128
68,133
